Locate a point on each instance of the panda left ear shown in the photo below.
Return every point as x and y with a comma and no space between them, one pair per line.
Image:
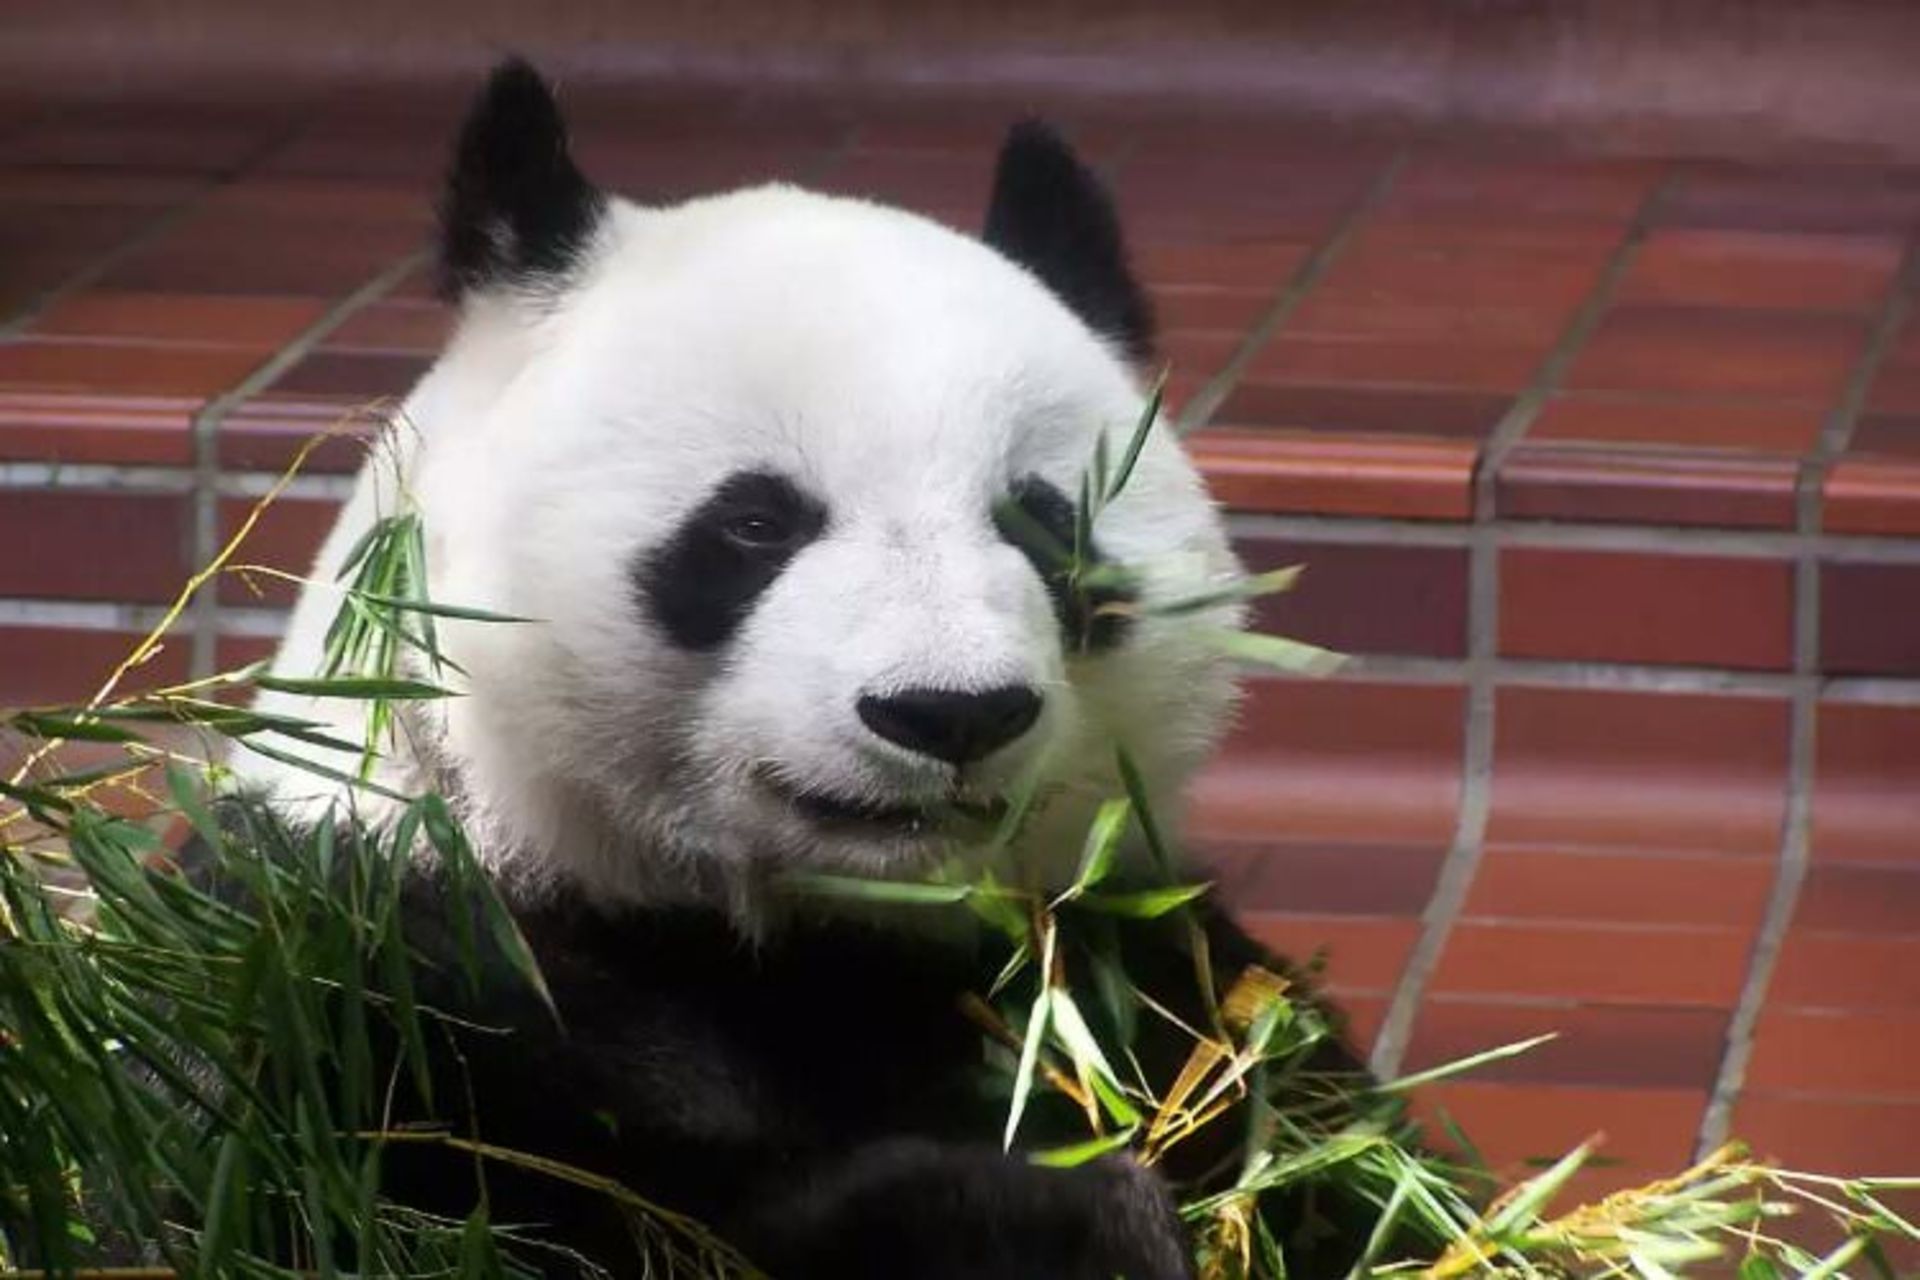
1050,214
516,210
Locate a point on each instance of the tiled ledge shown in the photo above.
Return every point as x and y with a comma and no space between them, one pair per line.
1607,470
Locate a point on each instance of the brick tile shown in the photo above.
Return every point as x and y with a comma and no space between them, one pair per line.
1644,771
294,264
62,189
1255,265
1447,194
1842,1055
352,375
1276,196
1620,964
1872,496
50,427
287,536
1896,434
40,666
1467,295
1336,760
1866,796
341,203
1817,199
1827,1136
1617,606
93,545
1209,307
1643,1133
1860,900
122,368
251,323
1456,414
1867,626
145,135
1835,971
393,327
1337,474
1896,385
230,653
1604,419
1713,268
1609,484
1390,362
1778,355
1328,878
1361,597
1363,954
1529,884
1609,1046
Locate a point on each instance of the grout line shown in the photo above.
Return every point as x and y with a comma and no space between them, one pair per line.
1305,278
1483,663
1796,825
1513,425
86,277
95,615
205,611
1658,539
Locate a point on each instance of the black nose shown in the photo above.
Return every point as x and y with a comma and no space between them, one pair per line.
952,726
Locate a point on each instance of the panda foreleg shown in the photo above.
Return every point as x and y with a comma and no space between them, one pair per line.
935,1211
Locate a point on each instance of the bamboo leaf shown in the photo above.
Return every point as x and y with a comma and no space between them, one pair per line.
1079,1153
1278,652
1147,904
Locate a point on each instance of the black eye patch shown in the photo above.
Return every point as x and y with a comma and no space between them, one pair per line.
701,583
1038,520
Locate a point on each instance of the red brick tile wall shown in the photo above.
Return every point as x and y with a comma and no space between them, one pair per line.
1607,470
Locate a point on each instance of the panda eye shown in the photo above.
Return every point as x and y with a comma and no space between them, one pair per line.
759,531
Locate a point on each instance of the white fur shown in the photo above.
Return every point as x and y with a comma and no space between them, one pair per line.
903,373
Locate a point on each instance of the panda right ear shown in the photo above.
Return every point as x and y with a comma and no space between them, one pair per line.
516,211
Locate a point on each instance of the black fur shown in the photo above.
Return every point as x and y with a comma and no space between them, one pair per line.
516,210
699,585
1050,214
1045,537
816,1100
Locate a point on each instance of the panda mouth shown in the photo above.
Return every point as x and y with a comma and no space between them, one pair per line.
918,819
838,810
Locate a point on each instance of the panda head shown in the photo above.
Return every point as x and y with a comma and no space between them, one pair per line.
766,468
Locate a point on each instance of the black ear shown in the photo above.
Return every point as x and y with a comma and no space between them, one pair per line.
516,210
1052,216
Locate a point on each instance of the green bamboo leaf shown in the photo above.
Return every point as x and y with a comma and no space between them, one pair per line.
1138,441
1079,1153
51,725
357,687
1418,1079
1102,843
1294,656
1030,1046
1526,1204
859,889
1273,582
1147,904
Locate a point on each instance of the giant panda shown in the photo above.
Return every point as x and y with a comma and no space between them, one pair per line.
738,461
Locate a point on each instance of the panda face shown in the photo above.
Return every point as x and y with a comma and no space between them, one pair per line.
748,463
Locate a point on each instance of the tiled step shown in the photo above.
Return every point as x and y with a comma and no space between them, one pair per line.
1606,469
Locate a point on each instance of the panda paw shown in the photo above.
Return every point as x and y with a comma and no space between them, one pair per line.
911,1208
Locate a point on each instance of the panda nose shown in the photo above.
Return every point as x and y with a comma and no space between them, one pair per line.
949,725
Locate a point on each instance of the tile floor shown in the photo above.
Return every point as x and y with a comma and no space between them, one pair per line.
1608,470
